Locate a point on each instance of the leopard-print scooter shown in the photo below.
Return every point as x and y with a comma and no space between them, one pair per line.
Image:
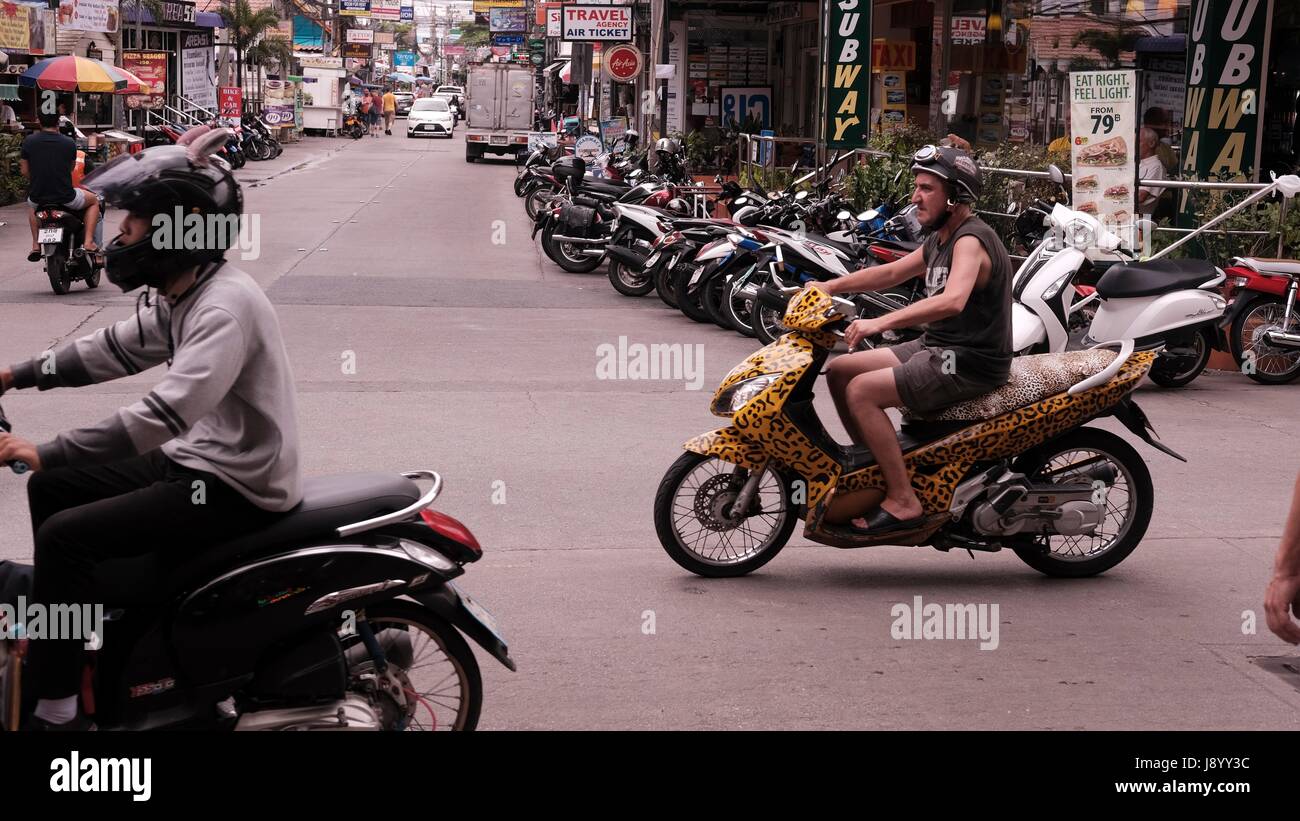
1013,468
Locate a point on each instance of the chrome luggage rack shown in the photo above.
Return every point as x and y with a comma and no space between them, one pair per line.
399,515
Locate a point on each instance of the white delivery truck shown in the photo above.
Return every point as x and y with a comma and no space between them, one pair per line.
499,103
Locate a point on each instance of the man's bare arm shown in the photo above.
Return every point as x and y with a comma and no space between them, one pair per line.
878,276
1284,589
968,257
25,169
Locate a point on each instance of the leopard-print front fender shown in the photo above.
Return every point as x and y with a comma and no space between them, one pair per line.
728,445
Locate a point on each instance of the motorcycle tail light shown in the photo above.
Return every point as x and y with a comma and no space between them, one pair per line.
448,527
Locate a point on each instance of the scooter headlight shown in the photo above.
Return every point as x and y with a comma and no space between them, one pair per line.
1080,235
1055,287
740,394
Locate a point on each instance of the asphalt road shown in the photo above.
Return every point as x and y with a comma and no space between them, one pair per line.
476,356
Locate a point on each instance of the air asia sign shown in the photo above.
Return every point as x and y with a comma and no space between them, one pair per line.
622,63
848,74
1225,65
597,23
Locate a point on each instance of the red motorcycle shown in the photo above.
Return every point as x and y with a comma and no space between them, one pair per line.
1261,327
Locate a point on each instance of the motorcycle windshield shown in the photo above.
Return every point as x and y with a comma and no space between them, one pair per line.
117,177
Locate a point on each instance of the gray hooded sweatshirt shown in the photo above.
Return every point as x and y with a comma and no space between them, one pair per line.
226,406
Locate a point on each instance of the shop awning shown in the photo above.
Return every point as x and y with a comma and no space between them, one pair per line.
556,66
1170,44
8,92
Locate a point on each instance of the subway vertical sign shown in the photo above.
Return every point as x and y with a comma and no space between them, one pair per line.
847,62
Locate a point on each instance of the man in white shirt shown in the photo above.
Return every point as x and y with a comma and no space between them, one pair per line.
1149,168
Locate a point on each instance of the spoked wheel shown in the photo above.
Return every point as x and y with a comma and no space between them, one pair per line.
627,281
435,682
700,530
767,324
1268,365
739,308
1081,457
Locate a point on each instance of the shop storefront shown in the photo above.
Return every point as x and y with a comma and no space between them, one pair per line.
177,49
998,72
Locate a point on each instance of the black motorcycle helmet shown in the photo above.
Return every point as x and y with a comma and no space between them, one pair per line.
169,180
955,167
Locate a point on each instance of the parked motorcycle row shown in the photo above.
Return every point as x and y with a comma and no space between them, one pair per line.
250,139
774,242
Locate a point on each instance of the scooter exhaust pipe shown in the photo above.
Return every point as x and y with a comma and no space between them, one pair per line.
1282,339
580,240
628,256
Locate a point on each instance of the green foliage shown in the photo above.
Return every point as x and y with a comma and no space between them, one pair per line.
13,186
244,26
1220,248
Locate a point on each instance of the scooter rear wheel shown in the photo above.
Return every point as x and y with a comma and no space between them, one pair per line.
694,525
1128,499
1175,372
440,661
56,268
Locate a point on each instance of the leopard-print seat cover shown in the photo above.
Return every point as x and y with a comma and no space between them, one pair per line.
1033,378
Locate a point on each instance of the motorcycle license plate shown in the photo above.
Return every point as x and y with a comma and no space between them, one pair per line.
695,277
501,140
654,258
480,613
48,235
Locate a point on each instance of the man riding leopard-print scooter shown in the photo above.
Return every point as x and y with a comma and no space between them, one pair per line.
966,348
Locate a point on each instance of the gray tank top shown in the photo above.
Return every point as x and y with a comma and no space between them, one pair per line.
979,336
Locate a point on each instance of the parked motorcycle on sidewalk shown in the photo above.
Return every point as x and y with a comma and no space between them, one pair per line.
1262,327
341,615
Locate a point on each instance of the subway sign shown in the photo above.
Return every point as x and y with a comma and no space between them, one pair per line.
847,64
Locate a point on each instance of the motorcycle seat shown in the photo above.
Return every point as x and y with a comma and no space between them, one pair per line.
610,189
1154,277
328,502
1284,267
1033,379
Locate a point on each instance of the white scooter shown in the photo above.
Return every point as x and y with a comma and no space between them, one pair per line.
1166,304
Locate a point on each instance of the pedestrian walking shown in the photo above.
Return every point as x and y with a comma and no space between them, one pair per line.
390,110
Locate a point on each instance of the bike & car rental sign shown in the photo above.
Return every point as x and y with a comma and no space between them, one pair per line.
607,23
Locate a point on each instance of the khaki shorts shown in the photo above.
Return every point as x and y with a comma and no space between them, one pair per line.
922,383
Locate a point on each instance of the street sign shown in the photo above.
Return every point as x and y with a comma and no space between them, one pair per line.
604,23
622,63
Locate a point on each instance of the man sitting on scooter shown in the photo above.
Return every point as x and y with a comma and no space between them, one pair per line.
209,455
48,157
966,348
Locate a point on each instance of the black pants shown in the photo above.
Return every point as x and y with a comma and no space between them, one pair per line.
84,516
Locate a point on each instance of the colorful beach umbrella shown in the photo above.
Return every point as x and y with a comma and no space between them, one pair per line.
71,73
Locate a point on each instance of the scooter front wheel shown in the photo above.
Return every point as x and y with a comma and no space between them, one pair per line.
1177,371
698,528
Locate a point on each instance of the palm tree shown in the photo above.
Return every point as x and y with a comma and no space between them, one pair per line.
1110,43
244,27
269,51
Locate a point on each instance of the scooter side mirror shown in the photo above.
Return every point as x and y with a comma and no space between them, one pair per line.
740,201
801,196
868,215
843,215
1055,174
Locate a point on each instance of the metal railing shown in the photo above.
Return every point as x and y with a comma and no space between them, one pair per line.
757,155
